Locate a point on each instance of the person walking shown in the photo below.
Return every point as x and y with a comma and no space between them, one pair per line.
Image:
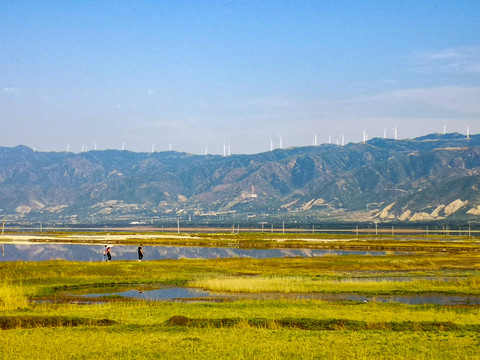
140,253
107,253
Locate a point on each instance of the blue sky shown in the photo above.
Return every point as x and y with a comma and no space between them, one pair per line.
201,74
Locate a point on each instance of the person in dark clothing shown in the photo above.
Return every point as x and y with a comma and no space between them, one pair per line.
107,252
140,253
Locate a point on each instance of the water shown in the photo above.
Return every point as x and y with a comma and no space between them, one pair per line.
165,294
89,252
189,294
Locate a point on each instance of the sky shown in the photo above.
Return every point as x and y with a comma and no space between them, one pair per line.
204,76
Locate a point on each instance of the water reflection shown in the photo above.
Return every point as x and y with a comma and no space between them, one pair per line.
189,294
89,252
166,294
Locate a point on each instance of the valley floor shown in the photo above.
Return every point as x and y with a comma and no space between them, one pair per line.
38,321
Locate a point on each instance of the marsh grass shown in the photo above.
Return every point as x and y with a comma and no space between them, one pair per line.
16,322
248,329
290,284
234,343
12,296
335,324
323,274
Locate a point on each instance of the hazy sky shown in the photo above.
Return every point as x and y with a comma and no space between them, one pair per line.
199,74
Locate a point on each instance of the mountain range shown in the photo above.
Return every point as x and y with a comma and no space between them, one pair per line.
430,178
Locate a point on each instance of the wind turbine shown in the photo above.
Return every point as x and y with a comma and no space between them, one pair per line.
364,136
314,139
224,149
343,140
444,129
329,139
468,133
95,146
206,150
395,132
123,145
281,142
271,144
170,147
384,133
68,148
153,148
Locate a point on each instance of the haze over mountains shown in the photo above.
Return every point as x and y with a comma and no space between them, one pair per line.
435,177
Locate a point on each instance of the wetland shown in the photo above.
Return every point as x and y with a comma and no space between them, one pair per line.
91,252
387,297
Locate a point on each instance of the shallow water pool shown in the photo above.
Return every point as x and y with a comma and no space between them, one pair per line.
89,252
194,294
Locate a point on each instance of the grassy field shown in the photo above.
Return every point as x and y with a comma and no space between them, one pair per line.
39,321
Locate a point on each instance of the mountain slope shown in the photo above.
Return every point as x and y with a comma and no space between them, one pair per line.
430,178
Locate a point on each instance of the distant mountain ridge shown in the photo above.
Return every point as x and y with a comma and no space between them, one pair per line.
429,178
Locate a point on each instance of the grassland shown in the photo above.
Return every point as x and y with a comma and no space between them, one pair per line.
41,322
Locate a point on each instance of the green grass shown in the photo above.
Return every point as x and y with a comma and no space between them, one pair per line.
12,296
244,343
257,330
323,274
247,329
288,284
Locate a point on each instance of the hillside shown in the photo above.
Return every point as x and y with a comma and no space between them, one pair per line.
434,177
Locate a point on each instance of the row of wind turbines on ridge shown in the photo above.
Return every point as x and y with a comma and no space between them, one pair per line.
339,141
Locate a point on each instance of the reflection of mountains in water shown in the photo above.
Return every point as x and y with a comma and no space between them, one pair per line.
76,252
